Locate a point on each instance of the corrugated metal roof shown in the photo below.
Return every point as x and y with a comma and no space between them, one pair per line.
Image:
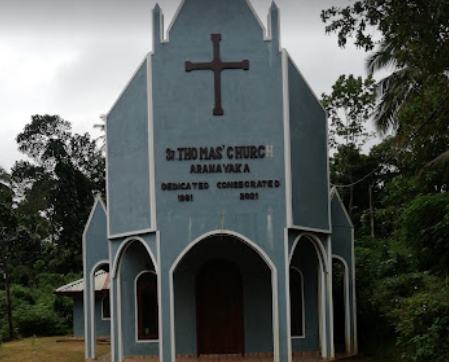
77,287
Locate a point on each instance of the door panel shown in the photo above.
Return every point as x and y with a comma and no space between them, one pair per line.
219,309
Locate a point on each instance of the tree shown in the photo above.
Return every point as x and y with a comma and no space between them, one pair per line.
8,219
68,170
425,227
347,165
414,44
403,276
348,107
416,31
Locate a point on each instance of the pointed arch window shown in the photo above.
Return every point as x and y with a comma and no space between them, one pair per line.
147,306
296,303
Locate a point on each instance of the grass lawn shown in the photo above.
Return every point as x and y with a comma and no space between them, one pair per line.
46,349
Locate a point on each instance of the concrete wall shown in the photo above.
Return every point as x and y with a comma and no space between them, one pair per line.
128,158
183,118
78,317
102,326
343,249
309,159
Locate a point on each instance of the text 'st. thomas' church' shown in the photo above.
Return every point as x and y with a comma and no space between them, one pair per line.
221,229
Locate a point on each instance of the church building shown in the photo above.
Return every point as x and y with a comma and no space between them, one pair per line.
220,229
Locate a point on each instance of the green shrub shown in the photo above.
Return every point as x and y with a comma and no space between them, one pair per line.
39,320
425,227
21,295
417,306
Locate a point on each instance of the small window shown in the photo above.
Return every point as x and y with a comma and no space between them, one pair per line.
105,307
296,303
147,306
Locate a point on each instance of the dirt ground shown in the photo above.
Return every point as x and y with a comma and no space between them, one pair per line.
50,349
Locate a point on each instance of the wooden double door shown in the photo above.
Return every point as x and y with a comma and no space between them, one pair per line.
219,308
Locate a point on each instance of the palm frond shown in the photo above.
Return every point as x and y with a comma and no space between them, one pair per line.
439,163
442,161
381,59
393,91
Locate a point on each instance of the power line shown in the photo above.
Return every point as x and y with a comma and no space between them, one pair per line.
414,134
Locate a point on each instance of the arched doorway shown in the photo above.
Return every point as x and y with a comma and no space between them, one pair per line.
219,305
308,316
224,258
137,300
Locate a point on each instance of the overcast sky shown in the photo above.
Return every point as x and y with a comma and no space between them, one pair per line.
73,57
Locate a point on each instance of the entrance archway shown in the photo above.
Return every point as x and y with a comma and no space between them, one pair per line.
219,306
308,258
136,296
224,256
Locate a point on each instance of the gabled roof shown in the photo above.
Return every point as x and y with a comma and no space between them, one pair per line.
335,194
77,287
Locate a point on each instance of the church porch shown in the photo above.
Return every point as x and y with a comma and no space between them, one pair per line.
250,357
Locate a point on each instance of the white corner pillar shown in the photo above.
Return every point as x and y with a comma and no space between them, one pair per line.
89,335
167,348
283,352
115,335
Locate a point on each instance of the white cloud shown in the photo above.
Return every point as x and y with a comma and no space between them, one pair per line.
73,58
23,68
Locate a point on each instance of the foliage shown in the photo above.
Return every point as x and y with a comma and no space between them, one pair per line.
417,305
425,227
417,31
414,39
402,278
57,188
39,320
44,204
349,107
424,127
37,311
347,165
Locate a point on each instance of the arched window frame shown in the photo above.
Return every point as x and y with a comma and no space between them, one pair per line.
303,314
138,334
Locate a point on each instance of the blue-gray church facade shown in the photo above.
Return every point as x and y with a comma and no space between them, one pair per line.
219,209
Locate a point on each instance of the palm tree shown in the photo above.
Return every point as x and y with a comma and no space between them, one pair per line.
401,86
393,90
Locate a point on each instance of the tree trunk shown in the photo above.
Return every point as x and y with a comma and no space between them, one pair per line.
371,210
351,200
8,295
